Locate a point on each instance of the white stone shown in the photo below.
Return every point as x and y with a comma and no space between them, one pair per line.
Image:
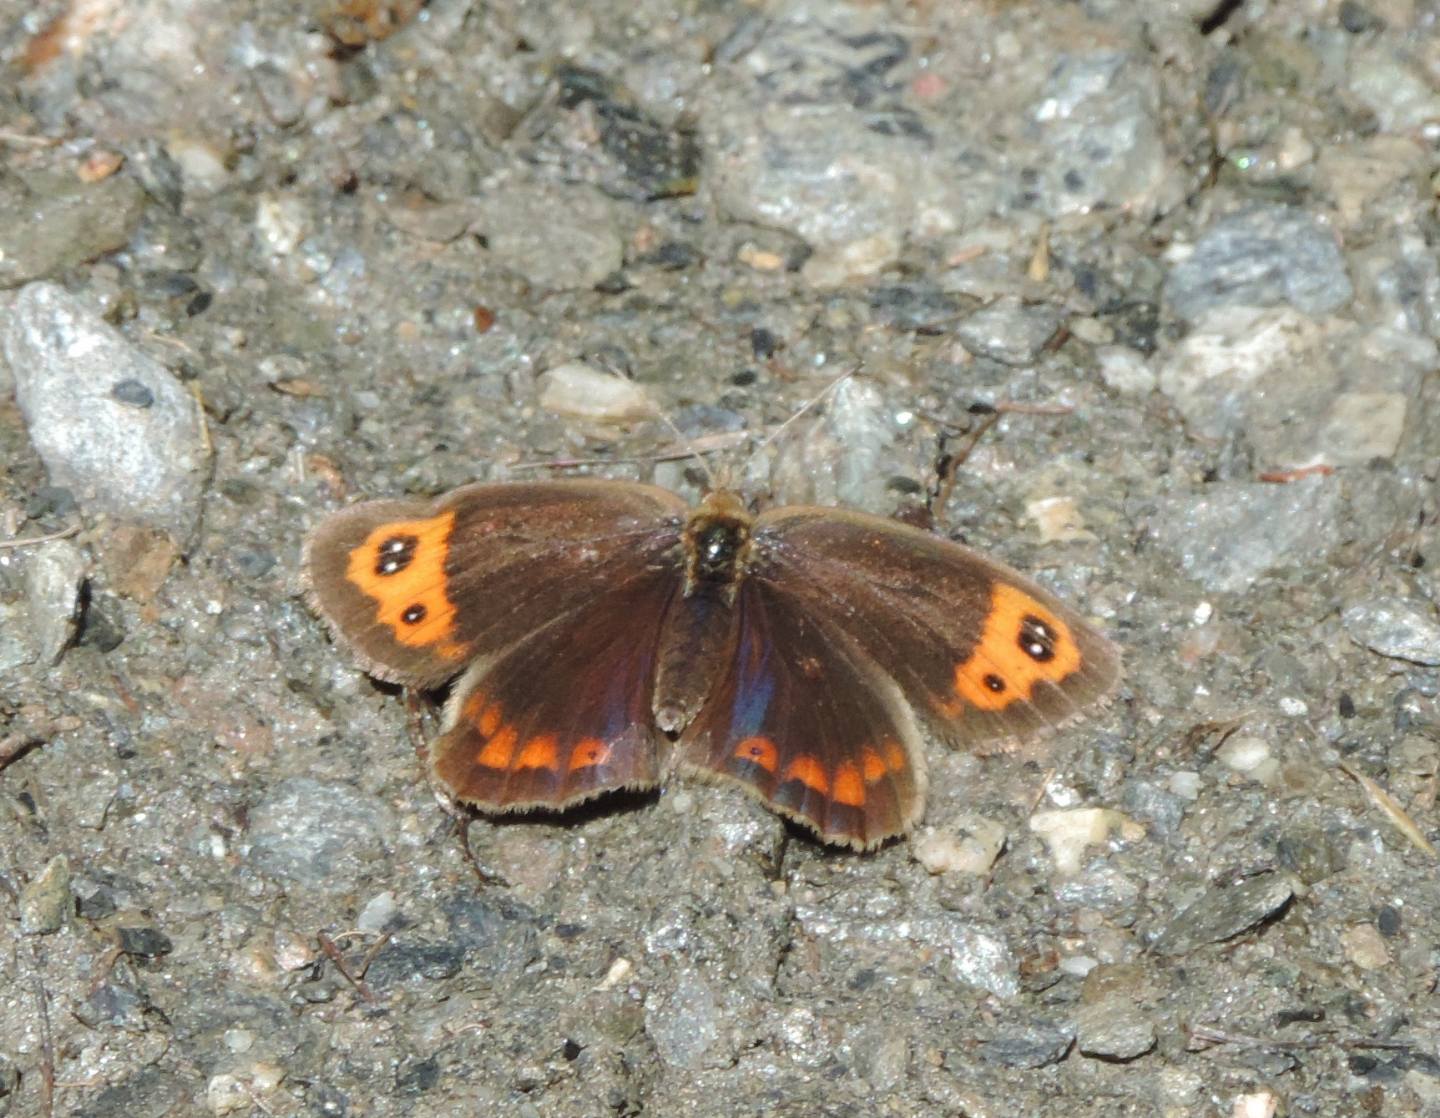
1125,370
1067,833
1245,754
577,389
971,845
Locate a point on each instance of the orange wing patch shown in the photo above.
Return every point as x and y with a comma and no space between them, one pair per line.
759,751
809,772
498,749
589,753
849,785
1023,644
401,567
540,752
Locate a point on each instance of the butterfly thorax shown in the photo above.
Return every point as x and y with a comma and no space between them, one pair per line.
698,631
717,545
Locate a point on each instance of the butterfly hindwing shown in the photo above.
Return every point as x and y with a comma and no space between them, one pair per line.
981,652
565,714
419,589
803,719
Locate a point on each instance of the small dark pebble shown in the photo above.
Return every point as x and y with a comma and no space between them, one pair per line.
616,283
415,962
744,378
239,490
143,940
1346,705
50,500
672,256
415,1077
252,562
1303,1015
862,980
199,303
1312,853
92,901
113,1006
99,629
132,392
1357,19
1035,1045
571,1050
914,306
763,343
1136,324
1388,920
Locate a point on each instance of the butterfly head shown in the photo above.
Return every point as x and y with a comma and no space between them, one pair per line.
717,543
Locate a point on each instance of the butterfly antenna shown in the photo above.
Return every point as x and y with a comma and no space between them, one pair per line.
806,406
690,449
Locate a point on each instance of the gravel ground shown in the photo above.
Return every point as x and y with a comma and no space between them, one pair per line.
1159,280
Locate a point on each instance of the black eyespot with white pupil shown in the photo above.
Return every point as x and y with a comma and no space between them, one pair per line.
413,615
1037,639
395,554
994,683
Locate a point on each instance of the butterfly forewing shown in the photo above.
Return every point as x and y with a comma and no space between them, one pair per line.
980,652
802,718
565,714
421,588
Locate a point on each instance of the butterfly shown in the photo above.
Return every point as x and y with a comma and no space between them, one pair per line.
605,633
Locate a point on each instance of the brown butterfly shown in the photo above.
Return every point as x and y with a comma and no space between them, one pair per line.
798,653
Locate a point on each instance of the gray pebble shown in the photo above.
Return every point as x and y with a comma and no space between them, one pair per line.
1258,258
1009,331
46,901
1100,887
318,833
1113,1029
52,221
500,936
1035,1044
965,953
1233,533
1149,801
683,1022
1225,912
113,1006
15,650
145,941
54,576
144,464
1396,628
380,914
558,238
1096,124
